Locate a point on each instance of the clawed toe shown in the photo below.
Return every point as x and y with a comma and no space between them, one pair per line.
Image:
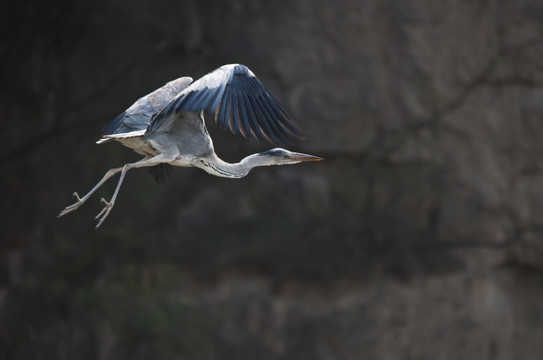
108,205
72,207
102,215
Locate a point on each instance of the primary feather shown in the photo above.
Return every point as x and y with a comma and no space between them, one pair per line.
239,102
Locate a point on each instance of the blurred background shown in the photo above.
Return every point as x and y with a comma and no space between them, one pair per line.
419,236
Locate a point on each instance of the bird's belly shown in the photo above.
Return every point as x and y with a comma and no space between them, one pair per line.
183,153
139,146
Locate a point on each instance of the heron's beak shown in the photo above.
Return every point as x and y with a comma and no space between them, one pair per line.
305,157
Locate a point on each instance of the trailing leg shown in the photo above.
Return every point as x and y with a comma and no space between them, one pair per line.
81,201
108,205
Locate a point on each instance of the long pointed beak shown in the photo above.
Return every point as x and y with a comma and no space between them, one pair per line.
305,157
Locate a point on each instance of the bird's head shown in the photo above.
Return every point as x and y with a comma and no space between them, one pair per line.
280,156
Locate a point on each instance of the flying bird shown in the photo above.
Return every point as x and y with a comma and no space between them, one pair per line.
167,126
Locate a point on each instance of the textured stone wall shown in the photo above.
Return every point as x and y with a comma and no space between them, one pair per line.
418,237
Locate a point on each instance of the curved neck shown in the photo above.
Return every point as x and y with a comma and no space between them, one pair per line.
216,166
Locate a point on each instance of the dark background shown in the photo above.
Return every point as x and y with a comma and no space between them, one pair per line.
419,237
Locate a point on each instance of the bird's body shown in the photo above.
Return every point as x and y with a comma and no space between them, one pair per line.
167,126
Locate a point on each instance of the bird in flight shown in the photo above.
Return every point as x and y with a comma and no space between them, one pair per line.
167,126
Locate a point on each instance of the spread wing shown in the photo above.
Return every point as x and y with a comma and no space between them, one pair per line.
138,116
239,102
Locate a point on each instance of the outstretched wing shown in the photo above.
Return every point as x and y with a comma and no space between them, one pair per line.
239,102
138,116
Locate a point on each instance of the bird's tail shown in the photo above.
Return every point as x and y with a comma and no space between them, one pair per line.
106,138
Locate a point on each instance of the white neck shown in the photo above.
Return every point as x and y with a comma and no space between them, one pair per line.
215,166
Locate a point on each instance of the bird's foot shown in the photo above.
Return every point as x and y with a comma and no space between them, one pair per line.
102,215
73,207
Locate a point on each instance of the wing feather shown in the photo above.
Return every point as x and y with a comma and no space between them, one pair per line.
275,125
224,112
239,102
234,119
243,117
262,121
282,115
252,119
138,116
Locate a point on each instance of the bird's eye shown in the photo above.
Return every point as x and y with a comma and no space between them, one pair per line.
285,157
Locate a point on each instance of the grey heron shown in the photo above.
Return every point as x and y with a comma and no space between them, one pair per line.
167,126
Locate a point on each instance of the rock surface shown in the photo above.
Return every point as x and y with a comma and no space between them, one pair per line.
419,237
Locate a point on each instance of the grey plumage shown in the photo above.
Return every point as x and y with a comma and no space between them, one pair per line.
138,116
167,127
236,97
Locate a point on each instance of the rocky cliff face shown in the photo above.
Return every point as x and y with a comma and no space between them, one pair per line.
418,237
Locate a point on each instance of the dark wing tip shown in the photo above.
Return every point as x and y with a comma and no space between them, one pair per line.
240,103
114,124
249,108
